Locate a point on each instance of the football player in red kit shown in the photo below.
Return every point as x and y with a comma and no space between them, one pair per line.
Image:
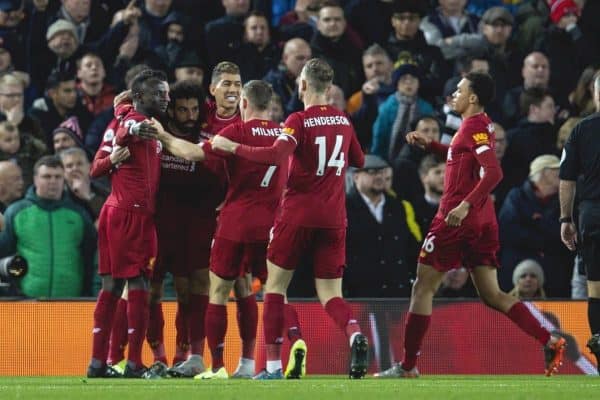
126,234
312,215
465,231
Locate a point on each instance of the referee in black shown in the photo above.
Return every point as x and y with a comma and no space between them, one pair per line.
581,157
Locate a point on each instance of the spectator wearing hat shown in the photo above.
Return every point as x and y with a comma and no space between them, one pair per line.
189,68
332,43
397,111
568,50
533,136
407,44
364,104
96,95
528,281
64,138
11,31
170,53
383,237
59,104
530,228
90,18
58,46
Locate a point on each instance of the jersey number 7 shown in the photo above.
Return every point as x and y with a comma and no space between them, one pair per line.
268,176
337,157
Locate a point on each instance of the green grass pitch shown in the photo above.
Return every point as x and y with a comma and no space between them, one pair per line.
313,388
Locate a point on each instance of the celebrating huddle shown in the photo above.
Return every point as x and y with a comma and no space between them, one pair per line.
308,218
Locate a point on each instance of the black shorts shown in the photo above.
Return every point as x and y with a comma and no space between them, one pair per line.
589,239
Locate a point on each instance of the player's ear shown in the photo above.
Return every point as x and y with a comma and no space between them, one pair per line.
212,89
473,98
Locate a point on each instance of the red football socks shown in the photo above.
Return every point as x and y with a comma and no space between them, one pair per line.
182,342
156,323
273,318
341,314
216,327
137,320
247,318
118,333
416,327
196,315
292,323
521,316
103,317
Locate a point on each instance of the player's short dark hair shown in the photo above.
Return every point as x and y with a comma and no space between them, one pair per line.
133,72
146,77
88,54
186,90
51,161
482,85
318,74
533,96
258,93
58,76
224,67
428,162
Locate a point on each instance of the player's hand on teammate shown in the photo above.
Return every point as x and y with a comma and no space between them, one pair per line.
456,216
568,235
222,143
145,129
415,138
122,97
119,154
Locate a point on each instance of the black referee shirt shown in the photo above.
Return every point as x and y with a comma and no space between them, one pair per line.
581,156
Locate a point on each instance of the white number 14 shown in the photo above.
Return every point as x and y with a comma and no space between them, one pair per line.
337,157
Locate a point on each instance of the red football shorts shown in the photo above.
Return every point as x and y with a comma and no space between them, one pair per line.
468,245
127,243
230,259
326,248
184,240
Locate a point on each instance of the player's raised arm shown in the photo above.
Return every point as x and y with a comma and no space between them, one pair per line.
178,147
418,139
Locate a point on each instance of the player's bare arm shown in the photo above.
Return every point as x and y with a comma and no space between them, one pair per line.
178,147
568,232
119,154
223,144
415,138
123,97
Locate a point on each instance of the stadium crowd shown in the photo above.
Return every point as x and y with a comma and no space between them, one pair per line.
396,64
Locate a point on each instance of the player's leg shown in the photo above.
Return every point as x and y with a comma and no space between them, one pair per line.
216,325
137,321
118,335
182,341
486,281
197,301
156,321
247,319
329,259
296,366
589,247
103,318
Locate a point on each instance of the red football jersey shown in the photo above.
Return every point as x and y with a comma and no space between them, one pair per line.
135,182
472,170
101,164
213,122
326,144
254,189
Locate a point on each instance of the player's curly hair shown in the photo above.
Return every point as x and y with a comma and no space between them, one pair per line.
318,73
186,90
483,86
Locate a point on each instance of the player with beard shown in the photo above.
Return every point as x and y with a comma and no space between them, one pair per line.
188,196
126,233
